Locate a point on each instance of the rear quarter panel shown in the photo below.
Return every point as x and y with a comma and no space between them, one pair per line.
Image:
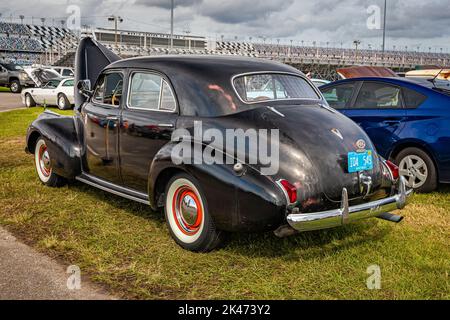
429,124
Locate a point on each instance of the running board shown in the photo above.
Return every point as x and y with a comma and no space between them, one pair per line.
113,188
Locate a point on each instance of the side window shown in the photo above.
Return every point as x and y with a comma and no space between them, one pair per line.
375,95
144,91
150,92
67,73
99,89
412,98
338,97
109,89
167,99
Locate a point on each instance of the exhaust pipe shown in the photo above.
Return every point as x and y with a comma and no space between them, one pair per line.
390,217
285,231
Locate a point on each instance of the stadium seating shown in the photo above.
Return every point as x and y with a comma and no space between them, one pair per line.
13,43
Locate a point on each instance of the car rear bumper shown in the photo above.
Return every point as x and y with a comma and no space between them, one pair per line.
347,214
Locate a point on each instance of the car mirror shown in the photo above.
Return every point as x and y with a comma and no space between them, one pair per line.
84,87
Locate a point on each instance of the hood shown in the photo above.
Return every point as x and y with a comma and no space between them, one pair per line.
311,156
91,58
41,76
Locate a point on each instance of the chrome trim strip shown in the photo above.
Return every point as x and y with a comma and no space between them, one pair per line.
103,185
275,111
347,214
278,183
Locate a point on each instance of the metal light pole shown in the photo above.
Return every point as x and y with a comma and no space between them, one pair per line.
356,43
116,20
171,23
384,26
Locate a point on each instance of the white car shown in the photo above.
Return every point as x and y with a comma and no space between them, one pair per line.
63,71
56,92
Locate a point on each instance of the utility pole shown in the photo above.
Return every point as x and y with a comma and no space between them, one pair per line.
384,26
356,43
171,23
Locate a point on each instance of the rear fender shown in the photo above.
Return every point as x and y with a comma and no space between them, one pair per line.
248,202
61,137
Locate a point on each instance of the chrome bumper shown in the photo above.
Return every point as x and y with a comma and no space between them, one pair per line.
346,214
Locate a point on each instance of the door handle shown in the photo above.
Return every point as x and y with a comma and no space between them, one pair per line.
165,125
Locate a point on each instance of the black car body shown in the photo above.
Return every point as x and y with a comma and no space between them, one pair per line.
127,150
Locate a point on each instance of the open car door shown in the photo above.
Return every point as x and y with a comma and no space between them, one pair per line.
91,58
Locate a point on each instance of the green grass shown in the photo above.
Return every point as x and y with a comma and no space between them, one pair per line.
127,248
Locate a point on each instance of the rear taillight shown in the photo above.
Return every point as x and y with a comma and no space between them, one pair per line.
394,169
290,189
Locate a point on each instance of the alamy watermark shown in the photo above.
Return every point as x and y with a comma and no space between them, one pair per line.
373,21
373,282
213,146
74,279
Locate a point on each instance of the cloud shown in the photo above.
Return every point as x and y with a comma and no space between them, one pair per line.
238,11
166,4
409,22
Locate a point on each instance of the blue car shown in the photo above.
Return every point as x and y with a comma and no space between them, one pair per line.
408,120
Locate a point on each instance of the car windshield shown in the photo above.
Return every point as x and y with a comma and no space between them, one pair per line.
272,86
52,83
13,67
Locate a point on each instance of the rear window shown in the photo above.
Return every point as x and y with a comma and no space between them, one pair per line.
412,98
271,86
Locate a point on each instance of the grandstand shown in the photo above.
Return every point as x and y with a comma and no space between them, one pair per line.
27,44
17,44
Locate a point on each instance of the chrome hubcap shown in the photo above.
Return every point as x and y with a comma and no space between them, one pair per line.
189,209
414,170
44,161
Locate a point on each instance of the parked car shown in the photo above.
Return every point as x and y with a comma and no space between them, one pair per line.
56,92
14,77
41,75
408,119
63,71
121,141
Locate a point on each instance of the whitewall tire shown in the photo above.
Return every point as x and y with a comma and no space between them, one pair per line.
29,101
187,215
43,165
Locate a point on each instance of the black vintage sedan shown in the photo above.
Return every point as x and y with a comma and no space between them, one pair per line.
126,135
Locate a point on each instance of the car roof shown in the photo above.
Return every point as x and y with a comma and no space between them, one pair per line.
204,63
203,83
423,85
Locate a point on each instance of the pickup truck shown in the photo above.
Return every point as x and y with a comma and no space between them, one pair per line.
14,77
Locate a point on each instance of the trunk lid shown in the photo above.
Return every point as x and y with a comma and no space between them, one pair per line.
314,142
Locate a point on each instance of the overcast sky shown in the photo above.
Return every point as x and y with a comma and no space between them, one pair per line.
410,23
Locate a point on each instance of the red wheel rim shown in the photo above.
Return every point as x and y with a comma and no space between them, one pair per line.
187,210
44,161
